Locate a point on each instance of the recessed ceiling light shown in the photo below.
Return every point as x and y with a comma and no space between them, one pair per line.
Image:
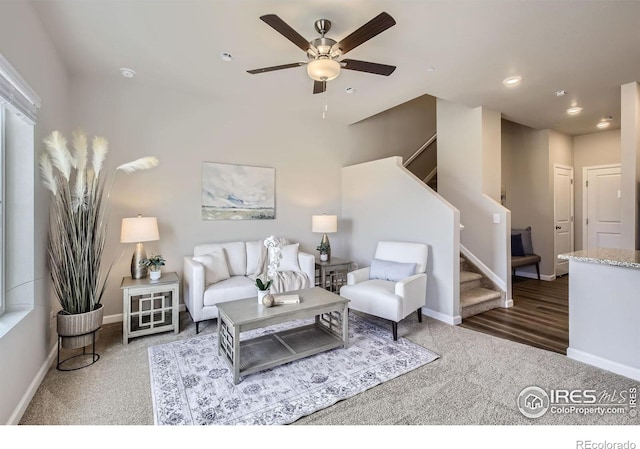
349,90
127,73
431,69
512,81
603,125
574,110
608,118
561,93
226,56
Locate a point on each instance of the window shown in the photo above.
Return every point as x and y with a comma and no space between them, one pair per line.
18,106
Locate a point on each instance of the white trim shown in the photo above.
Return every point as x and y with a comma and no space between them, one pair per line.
483,268
28,395
453,320
508,303
15,91
594,360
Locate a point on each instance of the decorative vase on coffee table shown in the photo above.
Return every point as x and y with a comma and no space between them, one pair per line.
262,294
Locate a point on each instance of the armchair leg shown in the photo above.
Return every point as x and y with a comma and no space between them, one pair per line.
420,315
538,269
197,327
395,330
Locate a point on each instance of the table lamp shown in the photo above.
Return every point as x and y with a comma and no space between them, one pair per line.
137,230
325,224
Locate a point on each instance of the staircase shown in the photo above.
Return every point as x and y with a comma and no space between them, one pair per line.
477,293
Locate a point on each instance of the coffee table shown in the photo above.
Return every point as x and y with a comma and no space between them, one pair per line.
329,330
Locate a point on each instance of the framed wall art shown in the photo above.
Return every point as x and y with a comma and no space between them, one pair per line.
237,192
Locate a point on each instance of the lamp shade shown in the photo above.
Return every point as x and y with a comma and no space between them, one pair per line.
139,229
324,223
323,69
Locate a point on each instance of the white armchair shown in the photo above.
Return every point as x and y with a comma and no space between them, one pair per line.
394,286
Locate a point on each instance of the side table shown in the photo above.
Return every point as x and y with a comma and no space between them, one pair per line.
149,307
332,274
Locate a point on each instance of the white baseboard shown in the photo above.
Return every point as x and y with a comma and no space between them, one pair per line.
543,277
453,320
508,303
594,360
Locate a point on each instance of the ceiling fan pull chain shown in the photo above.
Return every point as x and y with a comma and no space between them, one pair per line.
326,100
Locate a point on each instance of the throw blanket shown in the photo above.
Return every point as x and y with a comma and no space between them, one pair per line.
269,261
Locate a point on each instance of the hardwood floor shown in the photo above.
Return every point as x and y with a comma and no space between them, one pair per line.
539,317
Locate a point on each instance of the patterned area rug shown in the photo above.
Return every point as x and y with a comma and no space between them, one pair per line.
191,384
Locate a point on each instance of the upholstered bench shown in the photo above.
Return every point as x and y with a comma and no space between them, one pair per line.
522,254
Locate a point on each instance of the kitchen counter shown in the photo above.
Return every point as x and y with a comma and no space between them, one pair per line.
606,256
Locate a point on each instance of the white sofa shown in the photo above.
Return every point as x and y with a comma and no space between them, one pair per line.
242,259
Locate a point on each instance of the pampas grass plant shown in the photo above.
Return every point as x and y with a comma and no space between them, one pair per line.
78,210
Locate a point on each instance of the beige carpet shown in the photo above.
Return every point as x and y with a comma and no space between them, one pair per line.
475,381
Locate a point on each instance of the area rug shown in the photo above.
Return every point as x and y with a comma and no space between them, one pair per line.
191,384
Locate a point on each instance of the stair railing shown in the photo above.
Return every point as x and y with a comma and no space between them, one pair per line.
421,149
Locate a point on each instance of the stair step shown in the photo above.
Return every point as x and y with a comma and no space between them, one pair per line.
470,280
478,300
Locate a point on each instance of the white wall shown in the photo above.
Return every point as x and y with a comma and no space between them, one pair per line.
184,131
469,153
381,200
25,348
529,156
599,148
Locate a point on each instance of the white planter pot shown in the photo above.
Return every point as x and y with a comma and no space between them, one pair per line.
324,257
155,275
262,294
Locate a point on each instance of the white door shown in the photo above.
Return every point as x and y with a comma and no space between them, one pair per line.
602,205
563,215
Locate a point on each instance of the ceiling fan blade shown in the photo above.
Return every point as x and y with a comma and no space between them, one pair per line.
370,29
281,27
369,67
276,67
319,87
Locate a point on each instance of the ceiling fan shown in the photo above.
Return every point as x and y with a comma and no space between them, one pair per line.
324,53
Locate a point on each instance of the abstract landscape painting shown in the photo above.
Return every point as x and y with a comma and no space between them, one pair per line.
237,192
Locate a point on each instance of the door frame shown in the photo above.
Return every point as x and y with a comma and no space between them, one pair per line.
585,193
573,214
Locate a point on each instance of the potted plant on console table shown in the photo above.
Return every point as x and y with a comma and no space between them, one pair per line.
77,233
154,263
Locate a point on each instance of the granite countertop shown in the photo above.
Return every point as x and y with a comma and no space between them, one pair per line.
606,256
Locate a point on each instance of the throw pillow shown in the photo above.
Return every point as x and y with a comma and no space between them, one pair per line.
527,244
289,260
256,253
516,245
388,270
215,266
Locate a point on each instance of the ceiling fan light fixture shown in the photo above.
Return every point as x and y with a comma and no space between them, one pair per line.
323,69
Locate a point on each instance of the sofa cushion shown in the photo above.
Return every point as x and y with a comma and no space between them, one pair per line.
289,260
215,266
388,270
236,287
516,245
527,243
236,257
255,257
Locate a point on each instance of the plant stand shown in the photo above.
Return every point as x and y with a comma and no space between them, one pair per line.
94,356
